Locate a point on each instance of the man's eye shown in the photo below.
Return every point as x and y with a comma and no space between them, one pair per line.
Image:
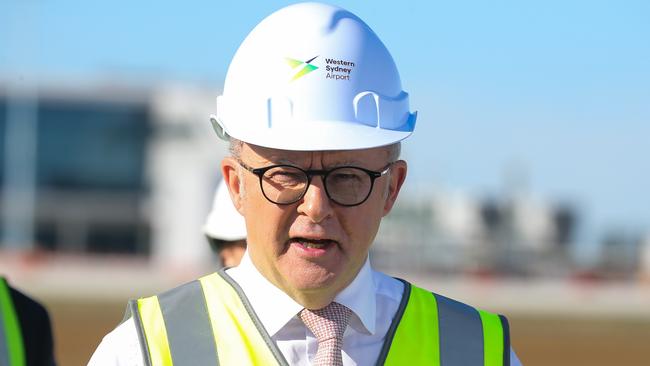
345,177
285,176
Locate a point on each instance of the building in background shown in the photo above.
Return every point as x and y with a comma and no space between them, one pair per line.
457,233
117,171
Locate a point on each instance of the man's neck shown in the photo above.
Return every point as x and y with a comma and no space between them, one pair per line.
315,298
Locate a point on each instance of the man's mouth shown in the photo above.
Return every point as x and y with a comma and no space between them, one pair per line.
313,243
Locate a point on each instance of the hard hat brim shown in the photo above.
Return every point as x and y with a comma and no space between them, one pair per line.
320,135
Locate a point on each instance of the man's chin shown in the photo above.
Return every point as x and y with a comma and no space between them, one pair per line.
312,279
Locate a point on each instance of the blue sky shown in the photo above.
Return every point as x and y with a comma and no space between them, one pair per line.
560,89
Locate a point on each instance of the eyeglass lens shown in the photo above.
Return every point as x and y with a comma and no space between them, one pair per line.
346,185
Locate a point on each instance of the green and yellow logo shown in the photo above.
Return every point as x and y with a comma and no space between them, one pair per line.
306,69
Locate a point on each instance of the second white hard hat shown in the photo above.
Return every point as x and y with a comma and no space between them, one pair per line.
224,222
312,77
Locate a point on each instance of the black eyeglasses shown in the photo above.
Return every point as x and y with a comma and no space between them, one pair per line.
345,185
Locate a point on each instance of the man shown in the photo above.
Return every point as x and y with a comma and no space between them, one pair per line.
25,332
225,229
314,112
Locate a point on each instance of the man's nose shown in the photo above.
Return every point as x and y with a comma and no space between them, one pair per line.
315,203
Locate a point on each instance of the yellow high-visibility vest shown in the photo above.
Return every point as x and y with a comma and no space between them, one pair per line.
210,322
12,351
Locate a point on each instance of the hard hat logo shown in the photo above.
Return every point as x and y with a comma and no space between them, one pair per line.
308,67
339,69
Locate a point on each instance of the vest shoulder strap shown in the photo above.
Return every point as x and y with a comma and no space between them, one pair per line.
430,329
207,321
241,337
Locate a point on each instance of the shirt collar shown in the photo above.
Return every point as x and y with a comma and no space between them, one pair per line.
358,296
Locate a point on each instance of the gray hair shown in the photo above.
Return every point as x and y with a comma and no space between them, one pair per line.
235,147
394,151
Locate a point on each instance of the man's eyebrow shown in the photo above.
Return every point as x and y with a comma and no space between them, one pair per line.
346,162
281,160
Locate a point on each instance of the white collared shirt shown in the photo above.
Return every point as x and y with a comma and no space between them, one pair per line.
372,296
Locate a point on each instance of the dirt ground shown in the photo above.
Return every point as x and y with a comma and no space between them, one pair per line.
586,341
538,340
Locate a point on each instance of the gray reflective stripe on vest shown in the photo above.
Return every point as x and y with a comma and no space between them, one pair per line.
189,332
461,333
132,311
4,351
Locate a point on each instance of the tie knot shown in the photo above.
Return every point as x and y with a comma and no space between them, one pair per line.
327,323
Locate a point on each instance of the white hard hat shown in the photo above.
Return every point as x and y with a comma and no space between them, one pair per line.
313,77
224,222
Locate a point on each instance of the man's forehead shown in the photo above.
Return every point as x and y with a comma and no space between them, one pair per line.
303,157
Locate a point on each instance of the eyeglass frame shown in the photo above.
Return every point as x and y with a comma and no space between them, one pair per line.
259,172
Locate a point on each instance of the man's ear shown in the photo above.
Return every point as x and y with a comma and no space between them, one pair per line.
397,177
229,168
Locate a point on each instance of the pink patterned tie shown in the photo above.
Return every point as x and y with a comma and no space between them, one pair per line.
328,325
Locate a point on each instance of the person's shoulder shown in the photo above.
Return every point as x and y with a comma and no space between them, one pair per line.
395,286
122,345
119,347
27,307
21,299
